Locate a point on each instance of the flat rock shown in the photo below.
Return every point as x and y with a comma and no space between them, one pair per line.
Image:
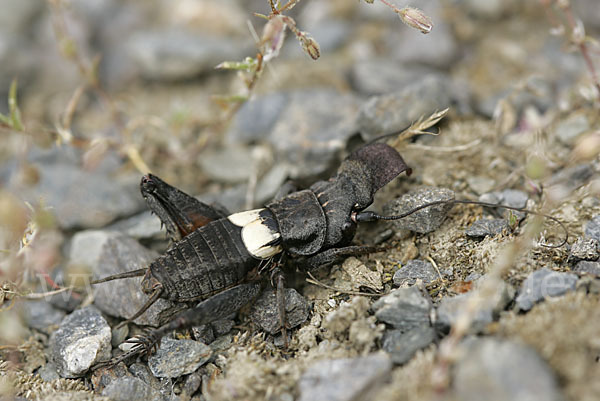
486,227
544,283
592,268
567,130
584,249
41,315
82,340
592,228
415,270
450,309
503,371
175,358
508,197
130,389
403,308
106,253
231,164
381,75
344,379
256,118
264,310
425,220
174,54
395,111
402,346
313,130
79,197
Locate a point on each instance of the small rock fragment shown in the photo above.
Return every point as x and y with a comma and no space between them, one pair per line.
264,311
588,267
451,308
222,326
544,283
415,270
503,371
175,358
203,333
508,197
403,345
592,228
82,339
41,314
403,308
484,227
344,379
584,249
48,372
130,389
425,220
392,112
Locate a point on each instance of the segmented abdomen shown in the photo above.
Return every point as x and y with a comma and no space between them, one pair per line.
203,263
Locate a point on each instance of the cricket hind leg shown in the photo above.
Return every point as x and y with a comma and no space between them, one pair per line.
214,308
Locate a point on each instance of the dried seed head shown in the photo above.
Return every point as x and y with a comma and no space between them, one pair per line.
309,45
273,36
415,18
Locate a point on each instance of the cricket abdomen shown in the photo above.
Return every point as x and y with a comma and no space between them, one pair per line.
205,262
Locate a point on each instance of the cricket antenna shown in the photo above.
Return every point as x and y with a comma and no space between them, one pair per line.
372,216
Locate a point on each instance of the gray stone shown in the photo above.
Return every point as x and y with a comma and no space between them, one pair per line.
264,311
130,389
203,333
402,346
48,372
415,270
584,249
381,75
503,371
106,253
403,308
174,54
486,227
143,225
450,309
231,164
82,340
425,220
175,358
544,283
313,131
256,118
592,228
592,268
487,9
41,315
564,182
508,197
82,198
395,111
567,130
143,372
344,379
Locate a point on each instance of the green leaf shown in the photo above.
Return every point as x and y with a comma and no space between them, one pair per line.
248,64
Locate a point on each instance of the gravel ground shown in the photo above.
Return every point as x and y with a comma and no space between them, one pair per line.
462,302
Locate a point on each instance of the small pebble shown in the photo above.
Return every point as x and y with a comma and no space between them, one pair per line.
584,249
415,270
485,227
425,220
82,340
264,311
592,268
343,379
403,308
592,228
501,370
402,346
175,358
542,284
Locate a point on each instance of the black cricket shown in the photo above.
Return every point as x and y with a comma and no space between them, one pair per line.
218,260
